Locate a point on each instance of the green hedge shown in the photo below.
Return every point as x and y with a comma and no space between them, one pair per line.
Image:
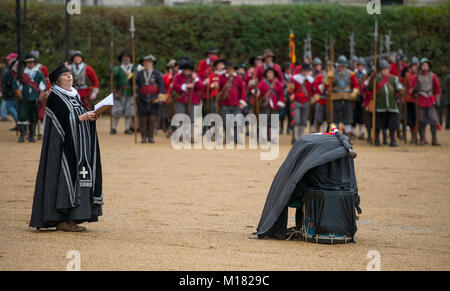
238,31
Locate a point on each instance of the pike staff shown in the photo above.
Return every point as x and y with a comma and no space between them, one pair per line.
330,92
374,81
133,56
111,76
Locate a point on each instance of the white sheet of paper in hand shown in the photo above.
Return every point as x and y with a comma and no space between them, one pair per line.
108,100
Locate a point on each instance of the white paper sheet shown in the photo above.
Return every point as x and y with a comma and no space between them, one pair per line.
108,100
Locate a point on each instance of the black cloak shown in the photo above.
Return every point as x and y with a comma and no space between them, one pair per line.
321,160
69,178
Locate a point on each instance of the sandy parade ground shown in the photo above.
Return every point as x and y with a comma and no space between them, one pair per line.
196,209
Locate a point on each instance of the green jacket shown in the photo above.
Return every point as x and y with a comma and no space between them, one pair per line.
121,81
28,92
386,101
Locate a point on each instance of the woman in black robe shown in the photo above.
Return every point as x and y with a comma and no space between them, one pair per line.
69,180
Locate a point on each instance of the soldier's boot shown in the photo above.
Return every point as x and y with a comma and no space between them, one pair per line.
32,132
393,141
143,121
22,130
434,142
385,138
377,138
151,130
413,137
423,139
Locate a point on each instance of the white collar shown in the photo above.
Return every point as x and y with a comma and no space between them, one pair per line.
30,72
72,93
300,78
234,74
80,67
219,72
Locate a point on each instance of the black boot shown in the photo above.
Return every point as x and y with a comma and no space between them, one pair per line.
377,137
32,132
152,126
393,141
22,130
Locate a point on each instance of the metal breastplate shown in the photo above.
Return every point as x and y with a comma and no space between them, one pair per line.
342,81
80,80
425,84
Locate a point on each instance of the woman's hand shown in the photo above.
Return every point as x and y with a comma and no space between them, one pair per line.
90,115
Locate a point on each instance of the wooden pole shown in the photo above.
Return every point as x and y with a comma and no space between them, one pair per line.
374,98
111,76
132,30
67,33
330,93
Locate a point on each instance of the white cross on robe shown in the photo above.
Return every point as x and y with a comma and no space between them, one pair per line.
84,173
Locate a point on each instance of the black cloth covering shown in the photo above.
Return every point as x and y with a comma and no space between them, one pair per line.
316,163
69,178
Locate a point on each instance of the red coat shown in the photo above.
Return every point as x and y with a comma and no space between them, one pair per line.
262,68
236,93
276,96
167,80
179,87
204,69
213,92
430,100
394,68
409,85
41,106
84,93
319,88
299,94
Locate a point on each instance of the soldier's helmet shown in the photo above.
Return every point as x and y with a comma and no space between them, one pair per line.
400,54
383,65
425,60
414,61
342,61
317,61
361,61
74,54
35,54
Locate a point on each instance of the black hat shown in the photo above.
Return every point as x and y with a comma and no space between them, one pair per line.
186,65
306,67
229,64
270,69
240,65
216,62
124,53
29,58
212,50
58,71
150,58
253,59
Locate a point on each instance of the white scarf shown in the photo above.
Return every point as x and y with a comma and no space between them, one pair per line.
72,93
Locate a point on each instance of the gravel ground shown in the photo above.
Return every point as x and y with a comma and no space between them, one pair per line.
196,209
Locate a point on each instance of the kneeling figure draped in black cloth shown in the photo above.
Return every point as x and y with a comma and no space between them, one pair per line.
318,179
69,180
